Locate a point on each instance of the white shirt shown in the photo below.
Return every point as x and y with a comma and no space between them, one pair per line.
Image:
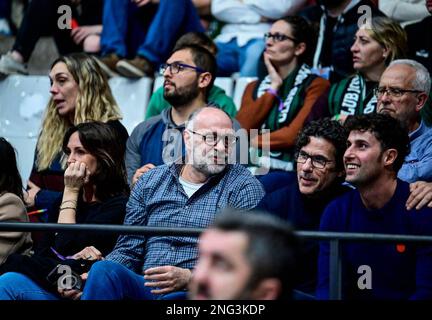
189,187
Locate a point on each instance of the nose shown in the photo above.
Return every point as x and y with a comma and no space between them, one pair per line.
53,89
307,166
354,47
71,158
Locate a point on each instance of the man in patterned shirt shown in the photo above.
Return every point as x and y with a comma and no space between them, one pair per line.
187,194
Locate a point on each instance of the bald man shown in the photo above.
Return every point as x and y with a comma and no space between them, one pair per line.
187,194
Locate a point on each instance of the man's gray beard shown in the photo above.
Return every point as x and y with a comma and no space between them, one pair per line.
209,169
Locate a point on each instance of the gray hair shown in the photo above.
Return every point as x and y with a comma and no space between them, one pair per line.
422,79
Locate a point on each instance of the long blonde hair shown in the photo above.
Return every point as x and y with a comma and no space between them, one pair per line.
94,102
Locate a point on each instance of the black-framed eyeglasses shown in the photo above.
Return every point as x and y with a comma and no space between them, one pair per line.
176,67
318,162
277,37
212,139
393,92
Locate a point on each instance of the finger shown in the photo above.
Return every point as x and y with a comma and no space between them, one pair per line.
426,199
415,198
31,184
159,276
162,291
158,284
156,270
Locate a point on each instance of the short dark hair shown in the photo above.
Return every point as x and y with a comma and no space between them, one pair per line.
387,130
10,179
203,59
273,248
101,141
196,38
328,129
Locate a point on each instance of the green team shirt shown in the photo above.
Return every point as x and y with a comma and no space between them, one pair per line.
217,96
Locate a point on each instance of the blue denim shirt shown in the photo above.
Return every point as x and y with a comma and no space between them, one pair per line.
158,199
418,163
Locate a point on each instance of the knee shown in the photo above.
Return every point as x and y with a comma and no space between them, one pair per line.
12,279
104,269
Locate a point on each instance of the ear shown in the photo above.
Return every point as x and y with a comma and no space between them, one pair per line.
389,157
300,49
187,137
386,53
204,80
421,101
267,289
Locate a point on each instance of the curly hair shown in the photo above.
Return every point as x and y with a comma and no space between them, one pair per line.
328,129
94,102
101,141
387,130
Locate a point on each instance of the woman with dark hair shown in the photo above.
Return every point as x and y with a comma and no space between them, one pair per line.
12,208
79,93
281,101
96,192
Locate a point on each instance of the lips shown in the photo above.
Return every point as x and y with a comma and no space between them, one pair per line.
168,83
307,181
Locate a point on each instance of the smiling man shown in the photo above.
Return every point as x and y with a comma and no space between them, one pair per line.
377,146
320,173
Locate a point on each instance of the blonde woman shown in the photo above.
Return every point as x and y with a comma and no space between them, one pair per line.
79,93
375,46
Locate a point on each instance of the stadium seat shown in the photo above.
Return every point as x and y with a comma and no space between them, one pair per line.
22,104
133,97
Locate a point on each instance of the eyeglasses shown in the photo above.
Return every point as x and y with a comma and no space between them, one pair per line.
277,37
176,67
393,92
318,162
212,139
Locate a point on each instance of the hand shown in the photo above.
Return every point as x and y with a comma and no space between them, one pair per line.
141,171
79,34
88,253
76,175
30,195
167,279
72,294
275,78
420,196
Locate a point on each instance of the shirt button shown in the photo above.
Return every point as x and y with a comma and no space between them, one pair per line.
186,207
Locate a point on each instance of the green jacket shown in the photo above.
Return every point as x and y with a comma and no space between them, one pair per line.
217,96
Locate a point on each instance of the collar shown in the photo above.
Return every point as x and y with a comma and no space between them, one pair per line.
419,131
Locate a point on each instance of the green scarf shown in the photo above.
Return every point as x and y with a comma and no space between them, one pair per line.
291,99
349,97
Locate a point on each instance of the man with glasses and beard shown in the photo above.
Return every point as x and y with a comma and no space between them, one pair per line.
189,74
187,194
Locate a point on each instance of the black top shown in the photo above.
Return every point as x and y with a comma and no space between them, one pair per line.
111,211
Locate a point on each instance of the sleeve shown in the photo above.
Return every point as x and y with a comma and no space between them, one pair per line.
275,9
133,154
249,194
285,137
129,250
226,103
156,104
12,209
403,11
327,224
110,212
234,11
252,112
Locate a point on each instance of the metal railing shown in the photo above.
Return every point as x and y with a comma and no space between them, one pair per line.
335,239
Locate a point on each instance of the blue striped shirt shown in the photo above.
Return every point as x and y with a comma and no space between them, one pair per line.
158,200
